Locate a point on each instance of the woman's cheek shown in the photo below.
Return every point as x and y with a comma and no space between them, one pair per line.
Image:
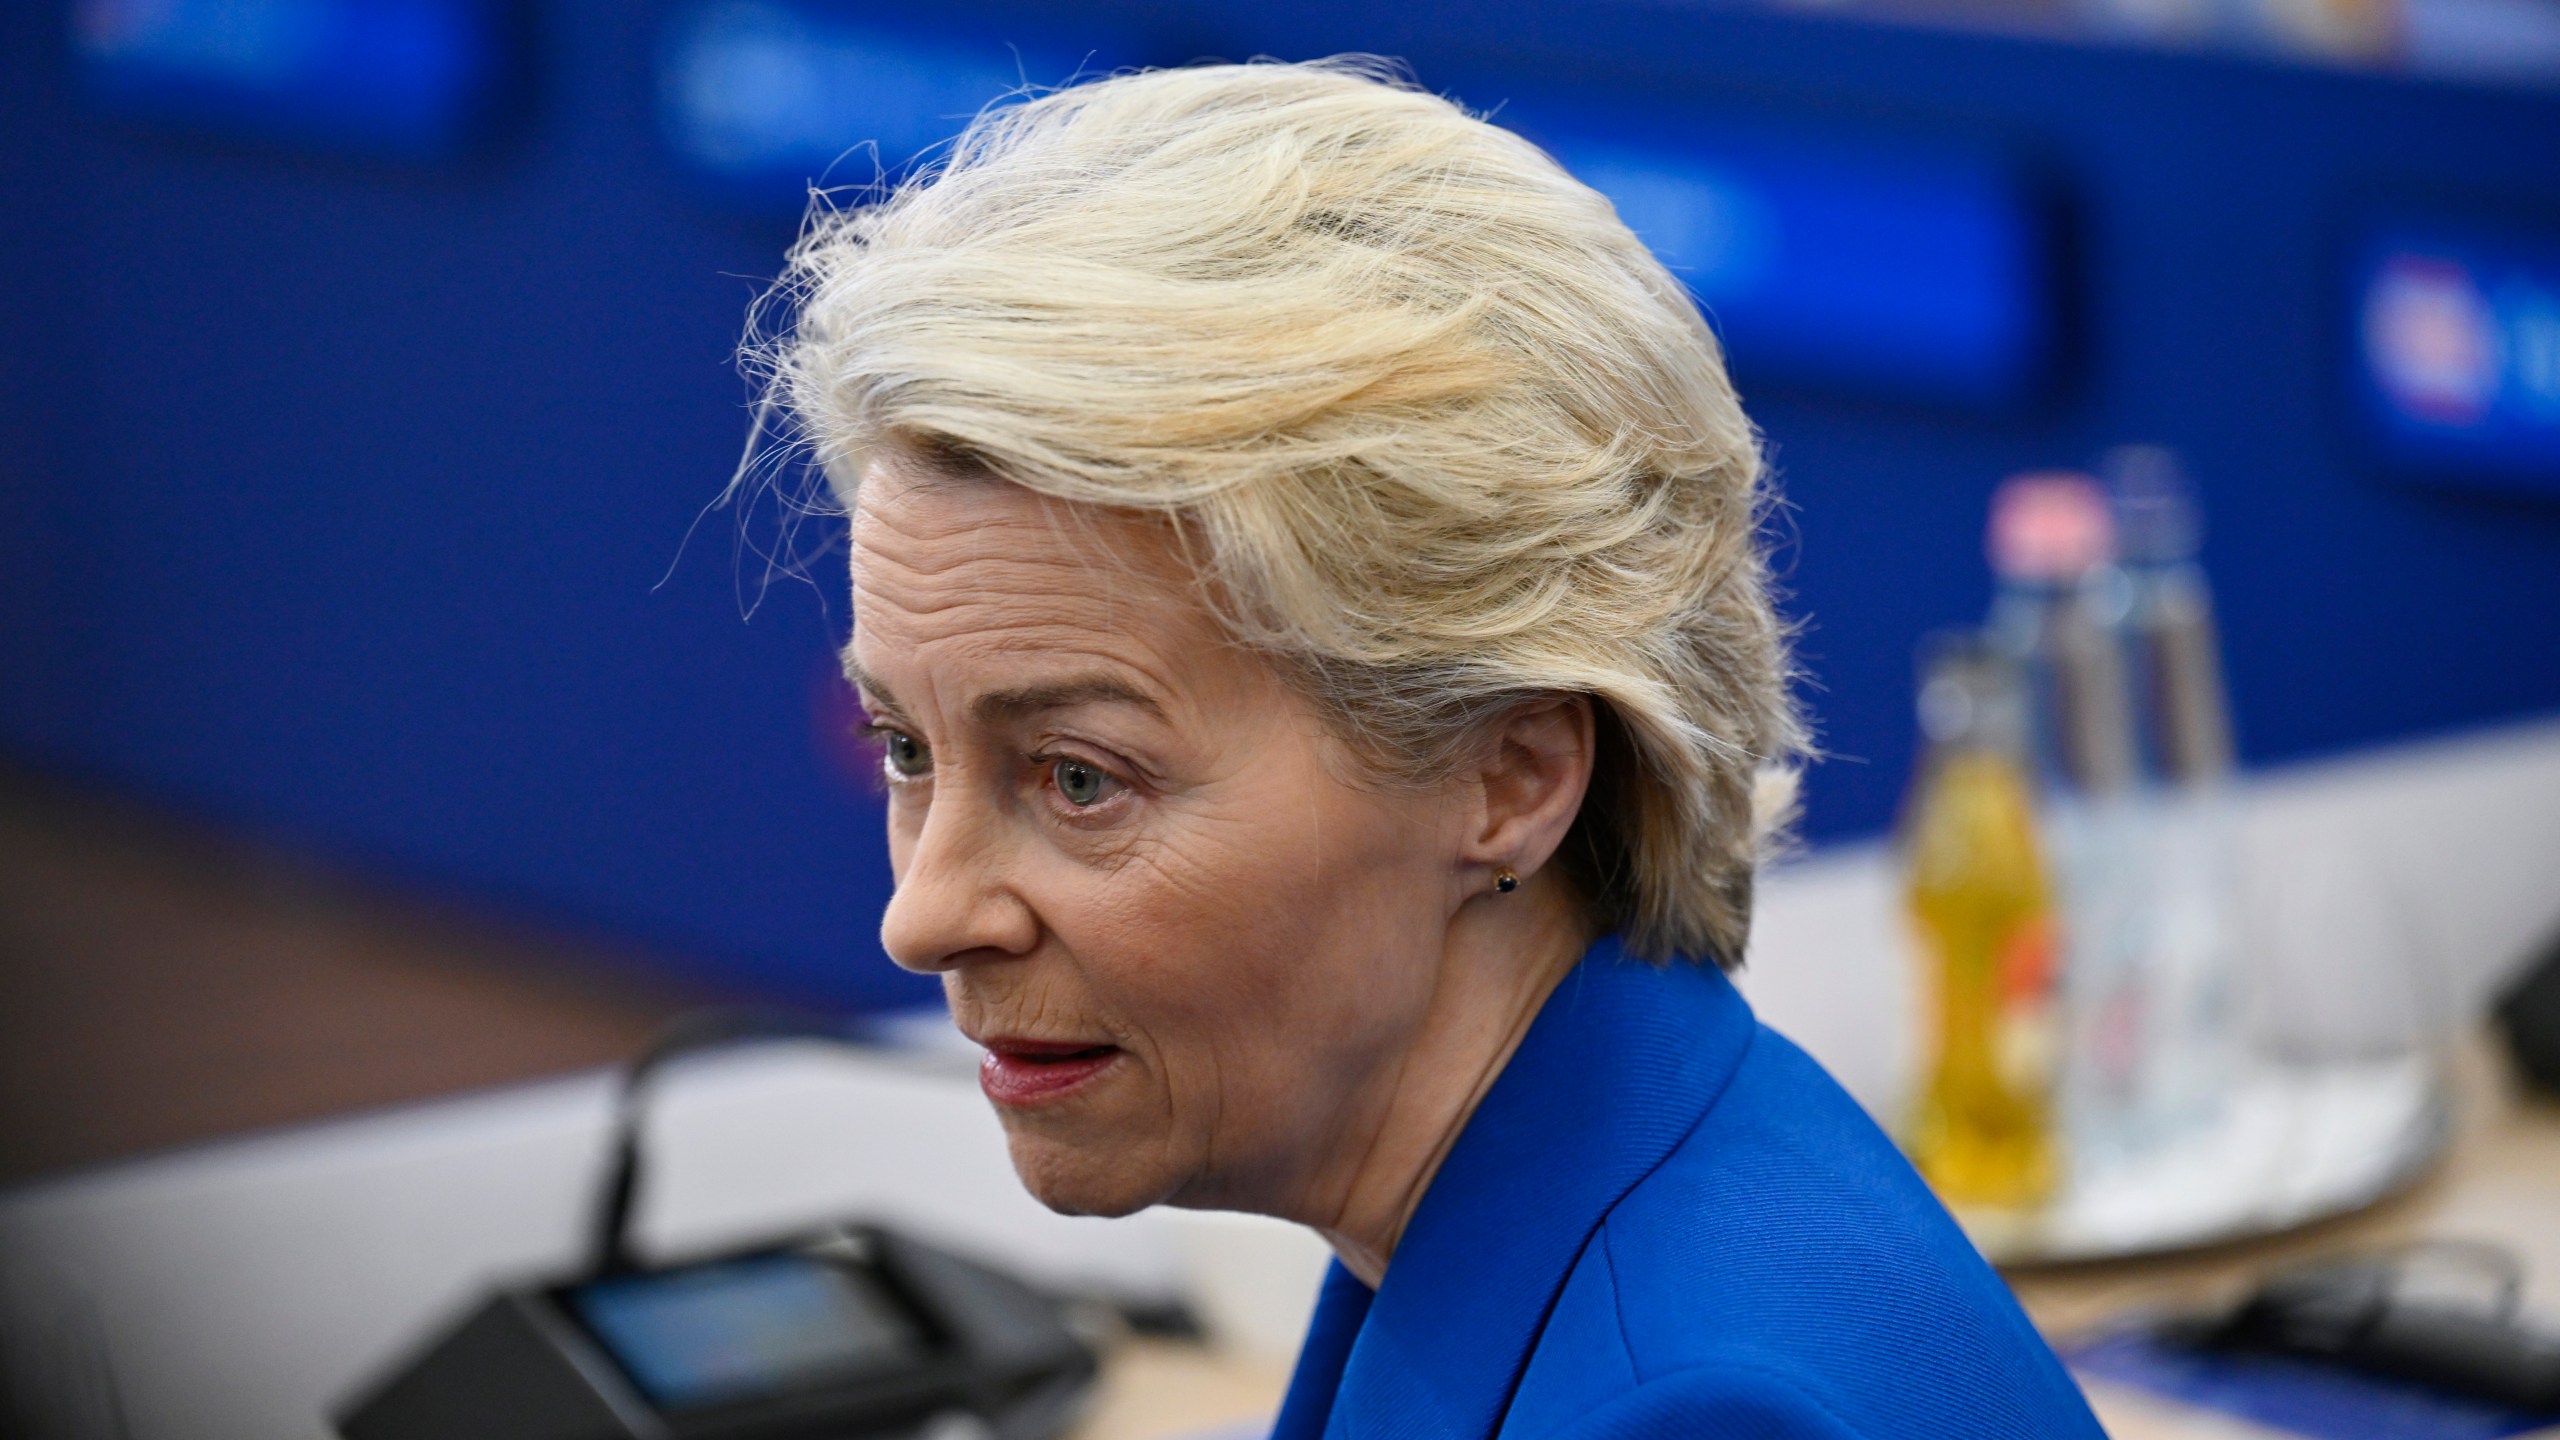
1176,948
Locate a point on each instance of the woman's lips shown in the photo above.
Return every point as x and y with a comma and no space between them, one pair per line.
1029,1072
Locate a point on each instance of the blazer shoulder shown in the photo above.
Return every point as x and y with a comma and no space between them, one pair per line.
1582,1382
1786,1190
1787,1237
1733,1399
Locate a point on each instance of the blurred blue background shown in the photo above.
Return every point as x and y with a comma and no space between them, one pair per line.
367,378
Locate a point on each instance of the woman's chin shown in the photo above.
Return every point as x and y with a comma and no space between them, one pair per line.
1102,1180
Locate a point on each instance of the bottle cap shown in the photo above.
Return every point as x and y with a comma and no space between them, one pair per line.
2050,525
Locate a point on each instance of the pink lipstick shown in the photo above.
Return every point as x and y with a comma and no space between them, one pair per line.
1031,1072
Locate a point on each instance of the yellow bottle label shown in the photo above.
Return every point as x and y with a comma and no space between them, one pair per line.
2029,1034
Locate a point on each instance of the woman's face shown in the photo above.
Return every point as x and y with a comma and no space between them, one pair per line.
1194,943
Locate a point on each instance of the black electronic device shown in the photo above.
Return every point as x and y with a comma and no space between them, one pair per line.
2365,1313
2529,1014
852,1332
857,1332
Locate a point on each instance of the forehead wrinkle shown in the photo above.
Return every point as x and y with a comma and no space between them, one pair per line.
1068,525
990,573
986,545
1008,597
1059,534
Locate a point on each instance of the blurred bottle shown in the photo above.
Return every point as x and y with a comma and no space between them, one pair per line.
2186,764
1982,1131
2177,648
2060,616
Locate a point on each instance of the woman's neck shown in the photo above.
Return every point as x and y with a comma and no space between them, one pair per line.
1504,955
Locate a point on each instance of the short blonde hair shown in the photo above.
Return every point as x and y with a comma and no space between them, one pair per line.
1445,434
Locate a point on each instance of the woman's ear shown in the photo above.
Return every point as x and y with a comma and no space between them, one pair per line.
1534,769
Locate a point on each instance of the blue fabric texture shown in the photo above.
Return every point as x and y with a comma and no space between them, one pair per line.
1665,1220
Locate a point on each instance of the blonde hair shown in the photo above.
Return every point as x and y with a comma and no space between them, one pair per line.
1444,433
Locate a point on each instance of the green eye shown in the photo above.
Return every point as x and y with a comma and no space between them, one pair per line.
906,755
1079,782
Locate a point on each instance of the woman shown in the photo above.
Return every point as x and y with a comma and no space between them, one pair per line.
1308,593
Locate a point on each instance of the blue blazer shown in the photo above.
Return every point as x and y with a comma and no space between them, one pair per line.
1665,1220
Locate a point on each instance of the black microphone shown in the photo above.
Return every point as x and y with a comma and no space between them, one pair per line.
691,1033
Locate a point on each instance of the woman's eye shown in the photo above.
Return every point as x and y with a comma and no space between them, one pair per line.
1082,784
905,754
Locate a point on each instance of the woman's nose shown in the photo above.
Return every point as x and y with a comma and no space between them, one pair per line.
952,904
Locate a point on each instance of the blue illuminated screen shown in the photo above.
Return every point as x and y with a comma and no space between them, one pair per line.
2456,345
399,77
744,1329
763,98
1909,269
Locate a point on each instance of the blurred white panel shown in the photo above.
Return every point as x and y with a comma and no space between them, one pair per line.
1252,1279
1830,969
2400,884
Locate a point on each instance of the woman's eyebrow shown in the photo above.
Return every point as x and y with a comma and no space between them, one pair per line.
998,706
875,696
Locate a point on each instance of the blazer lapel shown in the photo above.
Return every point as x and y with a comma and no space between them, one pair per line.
1341,1306
1619,1066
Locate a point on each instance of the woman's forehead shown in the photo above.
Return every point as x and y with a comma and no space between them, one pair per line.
991,588
940,544
911,505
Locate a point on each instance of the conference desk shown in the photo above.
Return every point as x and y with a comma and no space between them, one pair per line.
235,1291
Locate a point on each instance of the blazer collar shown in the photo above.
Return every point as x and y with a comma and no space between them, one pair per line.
1620,1065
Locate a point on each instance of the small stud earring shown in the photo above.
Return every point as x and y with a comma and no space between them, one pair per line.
1505,879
